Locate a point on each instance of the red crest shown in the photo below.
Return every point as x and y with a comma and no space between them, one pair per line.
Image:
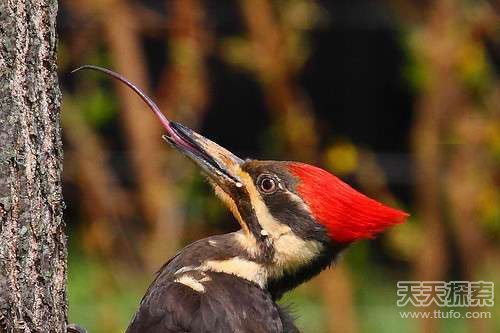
347,214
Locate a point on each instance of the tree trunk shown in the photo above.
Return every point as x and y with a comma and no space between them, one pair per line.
32,239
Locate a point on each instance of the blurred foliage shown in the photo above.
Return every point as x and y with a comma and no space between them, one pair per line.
97,300
99,108
321,72
342,158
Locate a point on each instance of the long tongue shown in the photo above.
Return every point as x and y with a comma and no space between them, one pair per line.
161,117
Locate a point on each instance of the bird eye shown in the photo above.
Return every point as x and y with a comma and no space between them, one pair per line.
267,185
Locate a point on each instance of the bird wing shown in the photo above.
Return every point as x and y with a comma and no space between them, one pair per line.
167,308
226,304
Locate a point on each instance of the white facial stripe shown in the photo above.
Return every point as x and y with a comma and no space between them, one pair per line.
291,251
184,269
247,242
291,254
192,283
266,220
242,268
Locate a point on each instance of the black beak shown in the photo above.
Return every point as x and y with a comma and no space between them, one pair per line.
220,165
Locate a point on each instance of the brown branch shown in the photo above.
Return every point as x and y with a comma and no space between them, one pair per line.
156,191
450,176
183,89
274,70
438,98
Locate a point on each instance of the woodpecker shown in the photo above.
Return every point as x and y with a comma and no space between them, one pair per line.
295,219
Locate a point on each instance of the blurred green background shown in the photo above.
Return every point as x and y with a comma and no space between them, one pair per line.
400,98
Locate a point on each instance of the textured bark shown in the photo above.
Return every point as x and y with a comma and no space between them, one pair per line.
32,240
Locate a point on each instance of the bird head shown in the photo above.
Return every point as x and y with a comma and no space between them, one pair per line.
295,217
292,215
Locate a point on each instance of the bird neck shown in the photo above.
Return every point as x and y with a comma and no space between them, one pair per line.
238,255
275,264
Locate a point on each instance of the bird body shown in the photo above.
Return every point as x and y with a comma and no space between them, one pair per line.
210,286
294,217
230,283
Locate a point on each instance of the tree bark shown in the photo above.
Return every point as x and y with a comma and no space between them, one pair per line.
32,240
